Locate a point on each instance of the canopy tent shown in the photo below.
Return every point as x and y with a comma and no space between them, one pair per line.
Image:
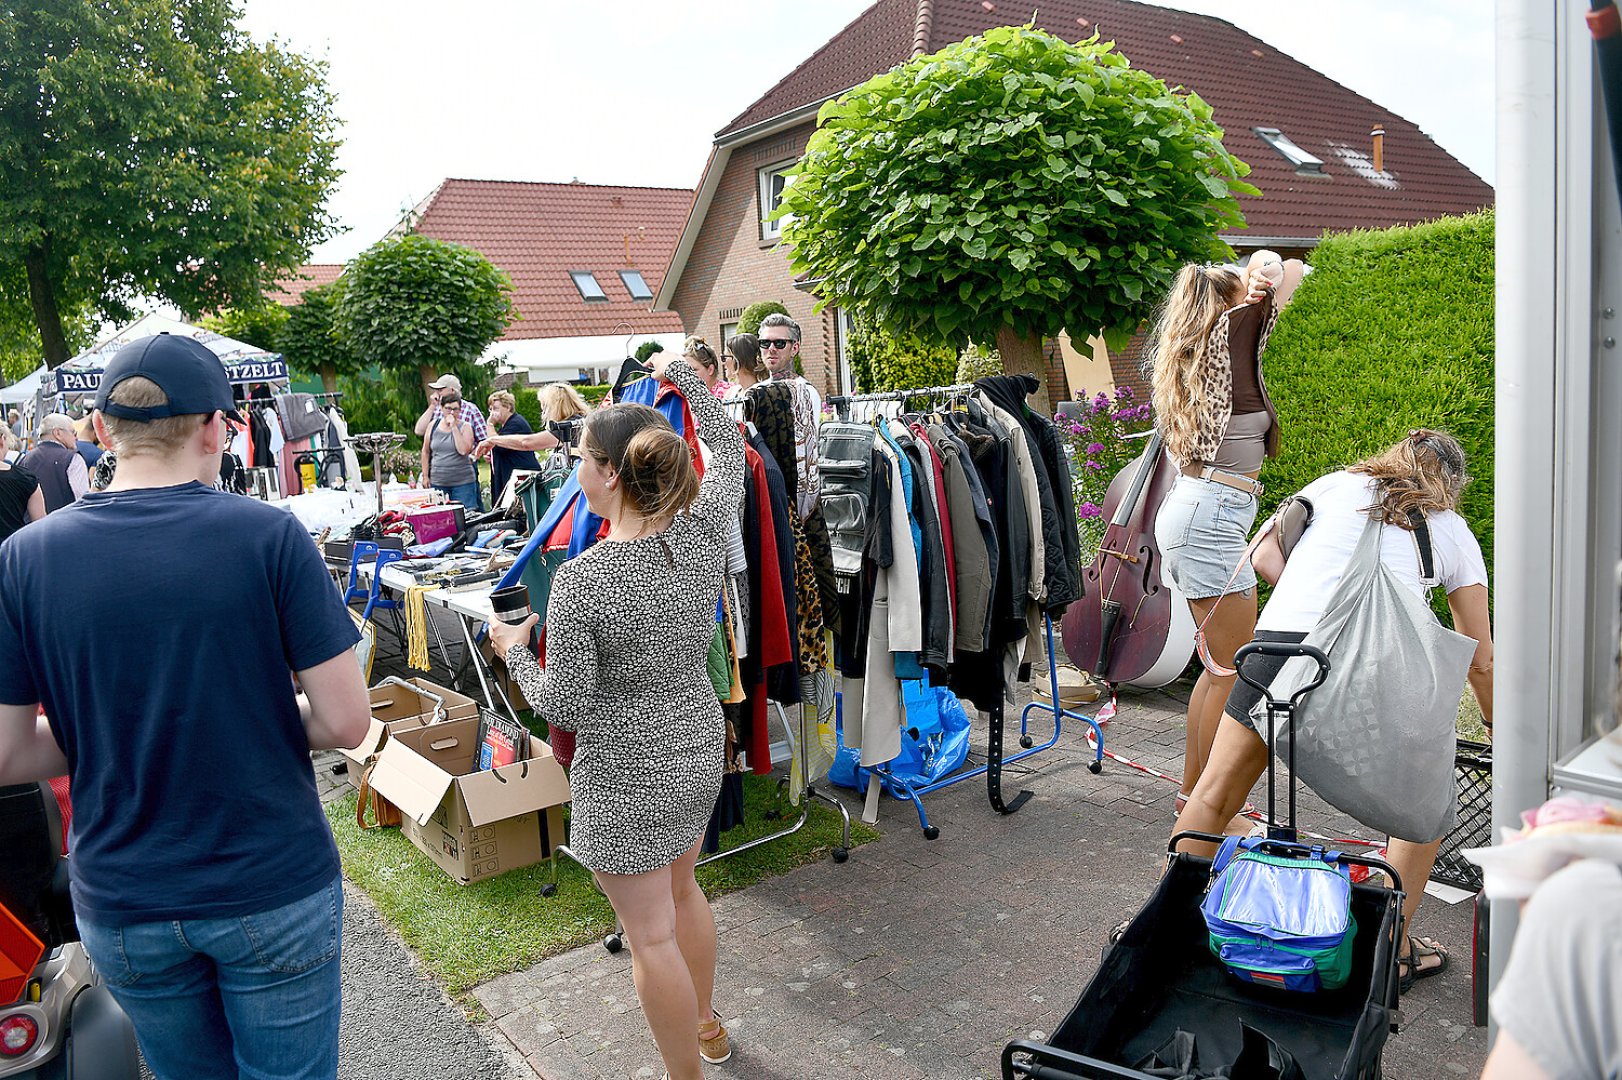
23,389
243,363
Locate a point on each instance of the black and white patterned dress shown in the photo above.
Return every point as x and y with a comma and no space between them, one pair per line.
628,629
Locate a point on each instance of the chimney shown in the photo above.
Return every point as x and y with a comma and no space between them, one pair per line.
1378,135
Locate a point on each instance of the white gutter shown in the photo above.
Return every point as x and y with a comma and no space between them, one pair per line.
711,180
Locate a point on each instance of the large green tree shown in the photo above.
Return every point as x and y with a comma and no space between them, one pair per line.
1008,187
150,148
415,307
258,324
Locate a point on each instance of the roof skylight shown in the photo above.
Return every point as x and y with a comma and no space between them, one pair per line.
635,285
586,282
1304,162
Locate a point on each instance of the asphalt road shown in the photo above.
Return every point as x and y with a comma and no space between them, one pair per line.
397,1024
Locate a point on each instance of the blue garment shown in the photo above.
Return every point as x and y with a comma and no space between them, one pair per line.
642,392
504,461
466,494
256,995
166,672
90,452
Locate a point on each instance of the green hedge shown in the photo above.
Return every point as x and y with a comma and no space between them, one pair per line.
882,361
1392,330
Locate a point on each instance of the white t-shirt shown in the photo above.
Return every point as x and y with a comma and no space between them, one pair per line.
1319,560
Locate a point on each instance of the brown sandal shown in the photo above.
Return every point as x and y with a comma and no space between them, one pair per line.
714,1047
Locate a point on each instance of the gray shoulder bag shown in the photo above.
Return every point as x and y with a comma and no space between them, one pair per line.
1376,740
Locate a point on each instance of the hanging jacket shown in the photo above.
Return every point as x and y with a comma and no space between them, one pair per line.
974,571
1061,573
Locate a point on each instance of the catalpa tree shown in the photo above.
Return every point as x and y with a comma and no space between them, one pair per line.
1009,187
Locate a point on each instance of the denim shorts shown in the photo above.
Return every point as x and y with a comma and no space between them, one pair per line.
1201,530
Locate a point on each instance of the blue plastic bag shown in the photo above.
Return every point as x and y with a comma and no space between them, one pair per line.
934,742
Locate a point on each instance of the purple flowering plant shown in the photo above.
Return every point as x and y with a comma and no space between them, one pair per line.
1099,448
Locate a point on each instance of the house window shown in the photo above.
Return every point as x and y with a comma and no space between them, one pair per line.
773,180
635,285
1304,162
586,282
729,330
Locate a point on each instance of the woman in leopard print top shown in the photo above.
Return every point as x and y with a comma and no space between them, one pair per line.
1213,414
628,629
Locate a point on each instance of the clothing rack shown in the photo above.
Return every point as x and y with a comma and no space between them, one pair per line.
996,759
842,402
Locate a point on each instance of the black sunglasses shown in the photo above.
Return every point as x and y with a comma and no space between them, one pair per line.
775,343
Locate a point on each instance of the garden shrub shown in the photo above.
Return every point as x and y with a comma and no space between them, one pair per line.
527,403
1392,330
749,321
647,349
976,363
595,392
882,361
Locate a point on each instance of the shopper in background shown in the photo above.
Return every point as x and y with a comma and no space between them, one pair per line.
506,421
205,880
628,626
562,409
779,346
743,363
21,500
708,365
84,432
451,428
56,463
15,420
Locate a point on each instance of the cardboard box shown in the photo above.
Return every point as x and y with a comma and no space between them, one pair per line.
474,825
394,708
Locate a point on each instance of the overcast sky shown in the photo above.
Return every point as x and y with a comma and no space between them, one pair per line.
633,92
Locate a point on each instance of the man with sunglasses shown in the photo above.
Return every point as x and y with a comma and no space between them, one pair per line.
779,345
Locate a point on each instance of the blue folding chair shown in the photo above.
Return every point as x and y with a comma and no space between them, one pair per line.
376,600
364,551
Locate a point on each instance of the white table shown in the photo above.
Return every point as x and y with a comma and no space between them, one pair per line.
471,609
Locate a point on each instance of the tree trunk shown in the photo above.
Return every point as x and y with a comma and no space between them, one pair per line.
1022,355
329,378
427,374
46,314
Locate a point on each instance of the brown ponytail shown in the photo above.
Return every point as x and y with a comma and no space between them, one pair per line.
654,463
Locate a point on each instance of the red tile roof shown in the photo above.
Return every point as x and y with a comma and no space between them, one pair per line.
1247,82
287,291
538,233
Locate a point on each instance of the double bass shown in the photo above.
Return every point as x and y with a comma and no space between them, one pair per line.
1131,624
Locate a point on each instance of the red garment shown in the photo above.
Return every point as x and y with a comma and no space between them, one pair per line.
945,519
777,645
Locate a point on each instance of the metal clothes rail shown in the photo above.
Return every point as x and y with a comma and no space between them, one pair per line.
996,759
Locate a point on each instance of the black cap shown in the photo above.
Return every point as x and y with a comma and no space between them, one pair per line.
184,369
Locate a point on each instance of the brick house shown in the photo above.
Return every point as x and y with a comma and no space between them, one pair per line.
1310,142
584,259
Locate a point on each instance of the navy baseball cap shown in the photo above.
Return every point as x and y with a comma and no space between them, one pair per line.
185,370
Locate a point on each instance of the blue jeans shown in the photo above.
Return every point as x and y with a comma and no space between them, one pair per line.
255,996
466,494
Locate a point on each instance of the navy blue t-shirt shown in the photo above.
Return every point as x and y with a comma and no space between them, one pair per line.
160,628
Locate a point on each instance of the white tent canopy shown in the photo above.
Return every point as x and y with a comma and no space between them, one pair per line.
244,363
23,389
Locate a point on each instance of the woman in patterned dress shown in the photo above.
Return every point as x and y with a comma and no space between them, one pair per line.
628,630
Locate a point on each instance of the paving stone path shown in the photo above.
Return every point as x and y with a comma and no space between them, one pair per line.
922,958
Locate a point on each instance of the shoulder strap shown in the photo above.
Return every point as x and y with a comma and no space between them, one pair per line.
1422,540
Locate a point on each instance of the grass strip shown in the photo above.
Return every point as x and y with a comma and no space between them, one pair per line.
468,934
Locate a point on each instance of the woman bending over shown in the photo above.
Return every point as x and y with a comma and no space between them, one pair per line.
1424,473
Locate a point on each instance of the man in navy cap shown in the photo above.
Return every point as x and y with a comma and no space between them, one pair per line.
161,623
